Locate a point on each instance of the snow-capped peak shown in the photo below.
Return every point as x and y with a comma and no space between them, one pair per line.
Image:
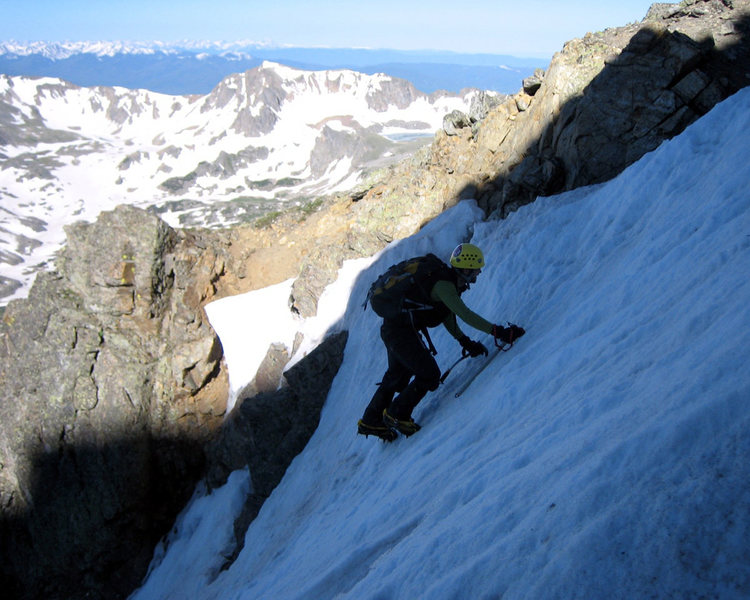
210,160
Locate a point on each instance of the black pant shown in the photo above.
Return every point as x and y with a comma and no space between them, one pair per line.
407,357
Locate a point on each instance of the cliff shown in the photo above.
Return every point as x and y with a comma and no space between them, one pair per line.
110,385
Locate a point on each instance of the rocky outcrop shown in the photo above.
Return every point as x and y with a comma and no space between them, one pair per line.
113,399
110,386
643,84
480,107
603,102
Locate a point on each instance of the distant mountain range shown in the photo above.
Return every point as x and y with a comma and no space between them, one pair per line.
262,140
207,134
197,67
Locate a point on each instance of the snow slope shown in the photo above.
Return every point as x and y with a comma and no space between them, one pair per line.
607,455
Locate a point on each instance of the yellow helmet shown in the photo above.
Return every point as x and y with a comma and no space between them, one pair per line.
467,256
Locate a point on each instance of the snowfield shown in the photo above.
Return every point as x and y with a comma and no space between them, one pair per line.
607,455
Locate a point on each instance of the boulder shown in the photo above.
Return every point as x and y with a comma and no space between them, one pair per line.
532,84
454,121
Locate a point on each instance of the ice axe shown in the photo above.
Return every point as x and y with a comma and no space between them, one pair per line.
500,348
464,354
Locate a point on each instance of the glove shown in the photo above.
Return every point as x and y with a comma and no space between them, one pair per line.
507,335
473,348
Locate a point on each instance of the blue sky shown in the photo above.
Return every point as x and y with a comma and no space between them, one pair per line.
525,28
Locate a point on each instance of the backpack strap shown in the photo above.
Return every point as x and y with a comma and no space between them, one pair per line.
426,333
436,271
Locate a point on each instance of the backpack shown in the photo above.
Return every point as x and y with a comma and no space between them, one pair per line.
406,286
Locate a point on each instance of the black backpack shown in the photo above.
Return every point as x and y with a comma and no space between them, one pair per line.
406,286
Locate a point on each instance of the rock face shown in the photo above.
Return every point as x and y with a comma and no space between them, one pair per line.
643,84
113,399
604,101
110,386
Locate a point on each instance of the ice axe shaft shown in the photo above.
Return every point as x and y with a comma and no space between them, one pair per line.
447,372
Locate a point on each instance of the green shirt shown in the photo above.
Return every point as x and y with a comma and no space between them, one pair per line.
446,292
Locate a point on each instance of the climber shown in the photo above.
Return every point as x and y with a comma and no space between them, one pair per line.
412,296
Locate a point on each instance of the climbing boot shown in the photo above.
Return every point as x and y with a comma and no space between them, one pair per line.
406,426
384,433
